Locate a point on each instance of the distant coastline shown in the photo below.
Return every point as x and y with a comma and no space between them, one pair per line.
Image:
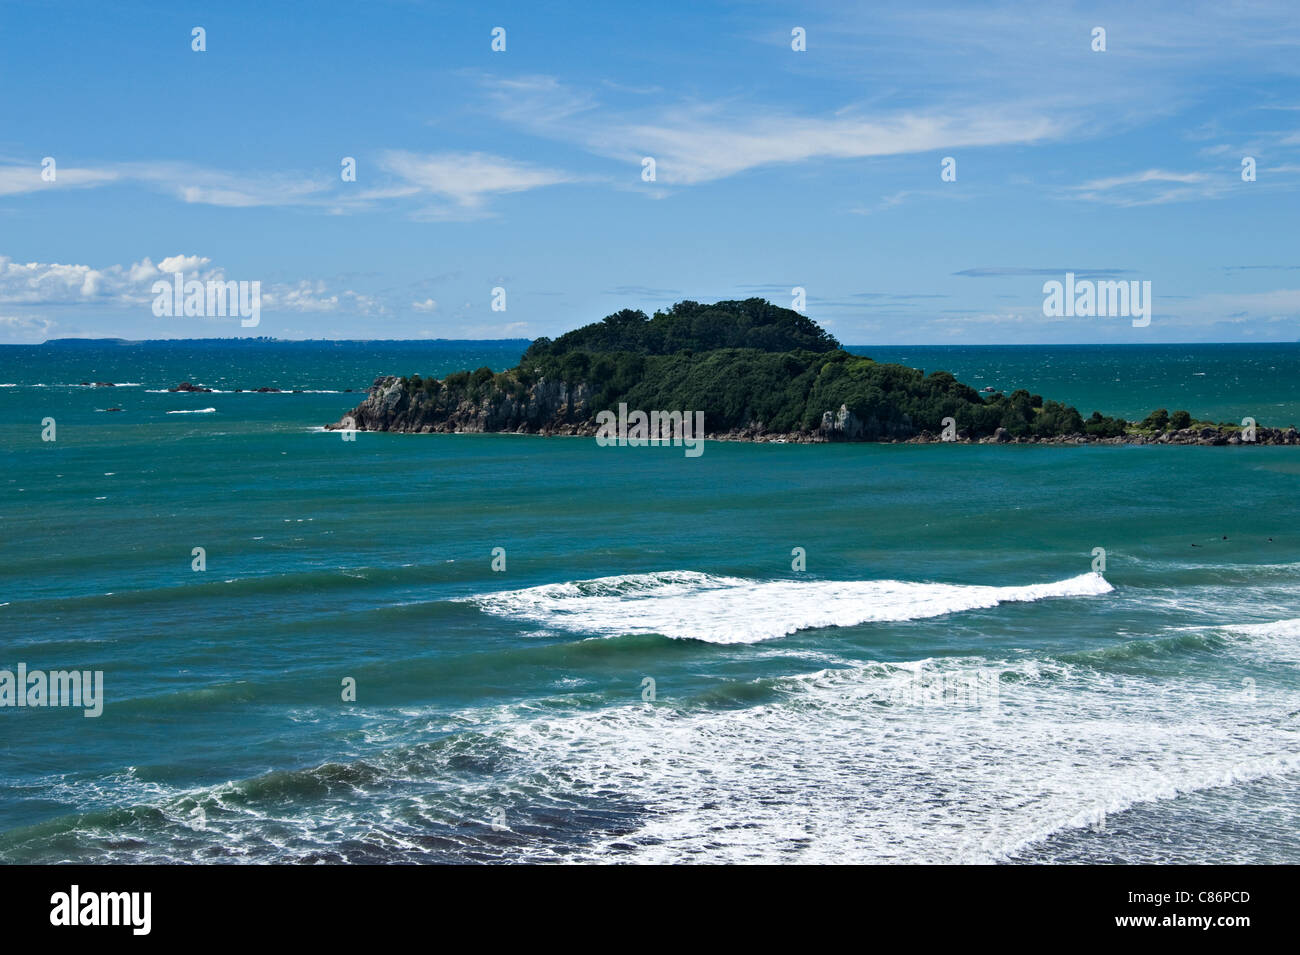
525,342
264,339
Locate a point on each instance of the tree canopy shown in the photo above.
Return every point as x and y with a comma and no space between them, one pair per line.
752,364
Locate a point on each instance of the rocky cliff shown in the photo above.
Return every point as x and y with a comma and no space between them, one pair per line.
561,408
547,407
755,372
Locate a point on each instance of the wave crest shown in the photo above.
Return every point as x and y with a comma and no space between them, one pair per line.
687,605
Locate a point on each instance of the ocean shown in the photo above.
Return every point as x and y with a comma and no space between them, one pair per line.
645,676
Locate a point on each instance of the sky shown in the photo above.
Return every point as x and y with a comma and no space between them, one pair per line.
524,169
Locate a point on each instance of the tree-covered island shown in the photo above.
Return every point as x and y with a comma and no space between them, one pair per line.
759,373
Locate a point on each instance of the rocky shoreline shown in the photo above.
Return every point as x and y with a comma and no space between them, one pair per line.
553,409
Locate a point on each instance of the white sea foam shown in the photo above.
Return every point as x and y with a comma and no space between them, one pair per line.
1285,629
832,766
1277,641
194,411
837,769
694,606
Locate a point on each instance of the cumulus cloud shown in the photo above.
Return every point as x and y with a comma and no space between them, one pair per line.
182,263
25,328
59,284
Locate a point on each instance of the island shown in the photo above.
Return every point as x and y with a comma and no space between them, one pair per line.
758,372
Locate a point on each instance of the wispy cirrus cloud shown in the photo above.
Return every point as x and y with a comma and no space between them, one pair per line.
1159,186
448,185
19,178
460,184
1151,187
184,181
1149,175
643,291
198,184
695,143
992,272
1260,268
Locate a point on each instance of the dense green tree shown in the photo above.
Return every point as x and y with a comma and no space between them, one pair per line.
750,363
752,323
1100,426
1157,420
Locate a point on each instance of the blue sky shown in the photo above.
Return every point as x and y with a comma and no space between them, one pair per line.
522,169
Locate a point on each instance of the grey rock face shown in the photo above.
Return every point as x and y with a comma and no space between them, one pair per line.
548,407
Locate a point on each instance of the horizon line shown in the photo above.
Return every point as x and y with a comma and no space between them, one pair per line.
271,339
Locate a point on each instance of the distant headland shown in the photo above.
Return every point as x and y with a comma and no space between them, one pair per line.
758,372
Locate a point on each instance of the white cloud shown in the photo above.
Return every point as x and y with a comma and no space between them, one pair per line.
22,329
56,283
185,181
1277,303
181,263
1155,187
701,143
428,305
314,295
1150,175
131,286
213,187
466,180
460,183
19,178
694,147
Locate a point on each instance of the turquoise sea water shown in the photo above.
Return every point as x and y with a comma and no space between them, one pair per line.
947,680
